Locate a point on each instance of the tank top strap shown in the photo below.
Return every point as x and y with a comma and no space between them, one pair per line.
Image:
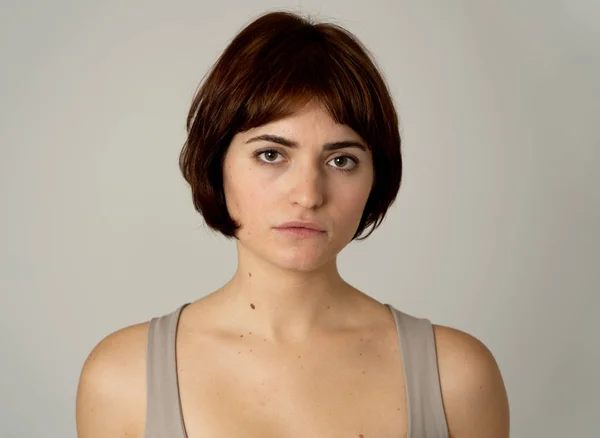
163,407
426,416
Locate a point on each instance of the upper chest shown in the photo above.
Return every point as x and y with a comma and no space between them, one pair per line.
350,385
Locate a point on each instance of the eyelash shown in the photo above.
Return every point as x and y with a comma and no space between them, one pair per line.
257,155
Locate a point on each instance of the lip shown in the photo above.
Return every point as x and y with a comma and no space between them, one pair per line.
299,224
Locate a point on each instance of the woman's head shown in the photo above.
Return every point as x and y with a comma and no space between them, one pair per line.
301,168
278,73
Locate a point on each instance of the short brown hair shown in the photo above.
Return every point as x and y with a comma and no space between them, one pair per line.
274,66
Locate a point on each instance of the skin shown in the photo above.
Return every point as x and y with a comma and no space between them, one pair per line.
287,348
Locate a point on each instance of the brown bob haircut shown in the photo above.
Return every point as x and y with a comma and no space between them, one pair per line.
272,68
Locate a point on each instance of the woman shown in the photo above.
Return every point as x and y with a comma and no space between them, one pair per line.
293,150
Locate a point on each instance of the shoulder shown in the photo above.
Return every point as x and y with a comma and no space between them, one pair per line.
473,391
112,387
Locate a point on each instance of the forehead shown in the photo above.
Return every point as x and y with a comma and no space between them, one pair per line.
310,121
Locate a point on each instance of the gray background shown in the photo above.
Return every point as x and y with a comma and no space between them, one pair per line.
495,230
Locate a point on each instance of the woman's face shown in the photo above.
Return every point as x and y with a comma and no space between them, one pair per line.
311,177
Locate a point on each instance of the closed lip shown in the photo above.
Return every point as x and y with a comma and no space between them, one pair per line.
298,224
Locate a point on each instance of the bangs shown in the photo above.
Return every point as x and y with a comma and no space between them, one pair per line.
304,66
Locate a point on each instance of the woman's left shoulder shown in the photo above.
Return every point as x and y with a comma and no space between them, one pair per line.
473,389
456,345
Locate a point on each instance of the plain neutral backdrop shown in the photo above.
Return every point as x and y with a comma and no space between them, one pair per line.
495,230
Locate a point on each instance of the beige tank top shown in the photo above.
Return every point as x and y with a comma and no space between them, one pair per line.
426,418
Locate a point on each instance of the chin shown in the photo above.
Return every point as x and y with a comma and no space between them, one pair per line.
299,266
301,256
301,259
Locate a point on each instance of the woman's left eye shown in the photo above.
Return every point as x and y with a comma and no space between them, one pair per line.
344,162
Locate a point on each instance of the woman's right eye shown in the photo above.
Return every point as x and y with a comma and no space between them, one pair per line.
269,156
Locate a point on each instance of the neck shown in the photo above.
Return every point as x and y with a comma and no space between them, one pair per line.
282,304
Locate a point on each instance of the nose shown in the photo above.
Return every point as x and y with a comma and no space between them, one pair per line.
306,187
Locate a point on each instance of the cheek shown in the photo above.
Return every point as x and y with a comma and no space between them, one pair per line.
244,193
350,204
354,205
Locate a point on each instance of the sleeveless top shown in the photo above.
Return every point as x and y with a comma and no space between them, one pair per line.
426,417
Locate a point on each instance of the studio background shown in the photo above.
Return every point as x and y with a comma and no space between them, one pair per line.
494,231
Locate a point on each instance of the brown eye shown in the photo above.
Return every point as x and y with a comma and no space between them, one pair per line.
344,162
270,156
340,161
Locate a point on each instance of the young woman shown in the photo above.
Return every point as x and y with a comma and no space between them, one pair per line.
293,150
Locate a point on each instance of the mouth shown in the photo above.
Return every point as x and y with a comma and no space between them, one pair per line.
301,232
300,229
298,224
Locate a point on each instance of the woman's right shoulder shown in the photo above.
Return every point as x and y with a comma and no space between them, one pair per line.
111,394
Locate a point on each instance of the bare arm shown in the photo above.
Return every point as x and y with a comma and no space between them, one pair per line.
473,390
111,392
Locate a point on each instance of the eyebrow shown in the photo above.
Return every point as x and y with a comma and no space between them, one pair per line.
292,144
